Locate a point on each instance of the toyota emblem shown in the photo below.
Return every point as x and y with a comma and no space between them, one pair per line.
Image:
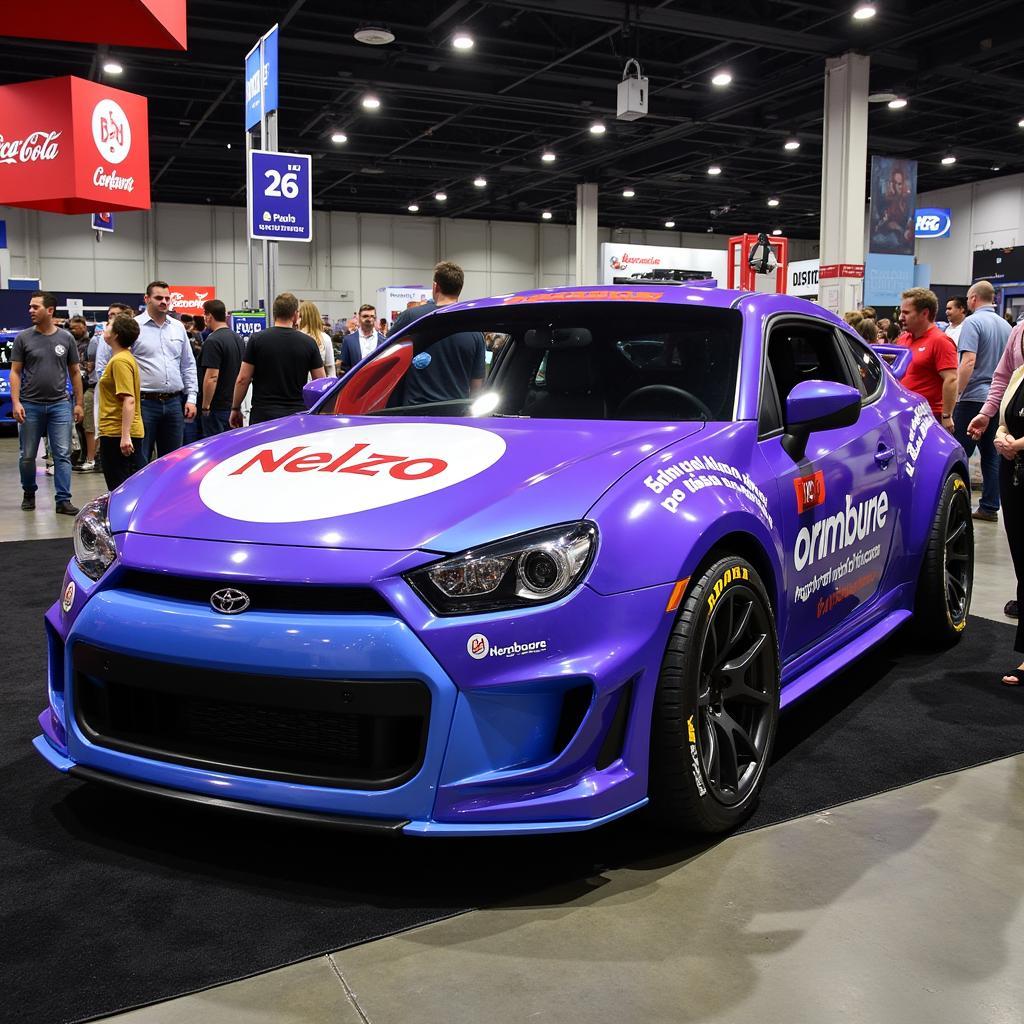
229,601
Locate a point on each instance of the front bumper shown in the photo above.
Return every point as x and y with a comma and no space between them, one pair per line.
541,741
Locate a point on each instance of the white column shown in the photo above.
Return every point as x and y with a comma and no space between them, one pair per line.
586,235
843,174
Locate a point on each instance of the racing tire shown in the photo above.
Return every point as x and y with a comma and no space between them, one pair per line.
716,706
947,572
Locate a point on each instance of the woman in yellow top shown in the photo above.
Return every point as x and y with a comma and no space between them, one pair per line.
120,424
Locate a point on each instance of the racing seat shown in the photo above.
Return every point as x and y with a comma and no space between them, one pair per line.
572,388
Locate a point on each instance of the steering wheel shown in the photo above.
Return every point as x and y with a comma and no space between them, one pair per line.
636,400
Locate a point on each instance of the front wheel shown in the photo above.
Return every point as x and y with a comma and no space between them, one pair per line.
947,574
716,707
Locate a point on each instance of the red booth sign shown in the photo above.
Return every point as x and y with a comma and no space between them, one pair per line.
189,298
72,146
156,23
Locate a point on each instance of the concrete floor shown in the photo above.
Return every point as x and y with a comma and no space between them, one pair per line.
903,907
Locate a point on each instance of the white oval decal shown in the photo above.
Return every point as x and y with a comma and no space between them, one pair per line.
345,470
69,597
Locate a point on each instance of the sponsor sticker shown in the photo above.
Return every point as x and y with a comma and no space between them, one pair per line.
697,474
810,491
69,597
834,533
345,470
479,647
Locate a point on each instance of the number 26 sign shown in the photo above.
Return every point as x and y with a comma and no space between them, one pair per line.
280,196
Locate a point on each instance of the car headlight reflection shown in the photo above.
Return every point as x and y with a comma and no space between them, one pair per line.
94,543
530,569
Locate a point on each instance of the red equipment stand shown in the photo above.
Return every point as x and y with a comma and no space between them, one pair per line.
740,274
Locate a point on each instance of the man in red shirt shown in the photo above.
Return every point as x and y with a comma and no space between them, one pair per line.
932,370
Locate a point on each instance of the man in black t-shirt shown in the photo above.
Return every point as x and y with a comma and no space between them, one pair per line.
277,362
220,362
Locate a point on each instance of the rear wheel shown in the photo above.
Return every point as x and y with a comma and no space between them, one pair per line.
716,706
947,574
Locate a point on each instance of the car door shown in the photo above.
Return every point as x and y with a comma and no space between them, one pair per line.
839,503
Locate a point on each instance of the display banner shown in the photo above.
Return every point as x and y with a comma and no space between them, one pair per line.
932,222
893,198
189,298
72,146
280,196
998,265
886,277
247,322
802,278
397,298
253,94
103,222
623,262
159,24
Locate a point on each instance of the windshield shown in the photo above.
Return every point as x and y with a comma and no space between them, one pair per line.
584,361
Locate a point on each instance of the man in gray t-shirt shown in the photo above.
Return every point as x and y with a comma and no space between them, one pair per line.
983,337
43,358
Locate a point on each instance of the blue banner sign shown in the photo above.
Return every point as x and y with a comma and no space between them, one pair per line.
932,222
886,277
260,95
103,222
247,322
280,196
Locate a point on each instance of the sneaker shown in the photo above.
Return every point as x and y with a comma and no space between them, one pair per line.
65,508
1009,609
49,470
985,516
85,467
28,501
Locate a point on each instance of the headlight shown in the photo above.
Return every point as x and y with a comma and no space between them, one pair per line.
530,569
94,543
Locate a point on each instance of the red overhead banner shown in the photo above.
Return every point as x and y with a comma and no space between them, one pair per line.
189,298
72,146
154,23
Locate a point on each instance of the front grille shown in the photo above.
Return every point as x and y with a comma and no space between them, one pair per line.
264,596
361,734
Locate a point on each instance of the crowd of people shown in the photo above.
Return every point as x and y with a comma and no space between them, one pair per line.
149,382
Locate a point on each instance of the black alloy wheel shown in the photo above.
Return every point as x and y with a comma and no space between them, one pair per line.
959,557
736,698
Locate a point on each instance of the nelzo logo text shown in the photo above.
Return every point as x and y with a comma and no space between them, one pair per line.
356,460
37,146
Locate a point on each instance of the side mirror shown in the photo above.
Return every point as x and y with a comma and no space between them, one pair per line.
817,405
314,390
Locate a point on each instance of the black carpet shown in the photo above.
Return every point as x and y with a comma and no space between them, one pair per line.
109,901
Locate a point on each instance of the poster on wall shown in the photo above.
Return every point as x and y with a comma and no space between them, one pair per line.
395,299
631,262
189,298
893,202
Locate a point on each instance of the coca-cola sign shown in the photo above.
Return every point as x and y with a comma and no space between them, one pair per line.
73,146
35,146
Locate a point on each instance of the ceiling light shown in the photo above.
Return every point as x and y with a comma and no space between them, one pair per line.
113,67
548,157
598,128
995,168
441,196
546,215
374,35
413,208
628,193
462,40
370,102
338,138
480,182
1020,123
714,169
777,231
863,12
881,96
791,144
721,78
229,145
773,201
949,159
670,223
898,103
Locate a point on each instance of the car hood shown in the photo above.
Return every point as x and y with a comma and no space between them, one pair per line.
386,484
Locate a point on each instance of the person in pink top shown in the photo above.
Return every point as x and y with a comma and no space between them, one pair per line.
1013,357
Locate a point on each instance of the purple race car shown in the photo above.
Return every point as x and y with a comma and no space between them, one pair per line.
592,584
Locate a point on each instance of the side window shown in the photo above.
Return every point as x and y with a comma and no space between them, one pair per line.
866,365
801,350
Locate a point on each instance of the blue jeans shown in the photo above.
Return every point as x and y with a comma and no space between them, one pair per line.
164,424
53,421
214,422
963,413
